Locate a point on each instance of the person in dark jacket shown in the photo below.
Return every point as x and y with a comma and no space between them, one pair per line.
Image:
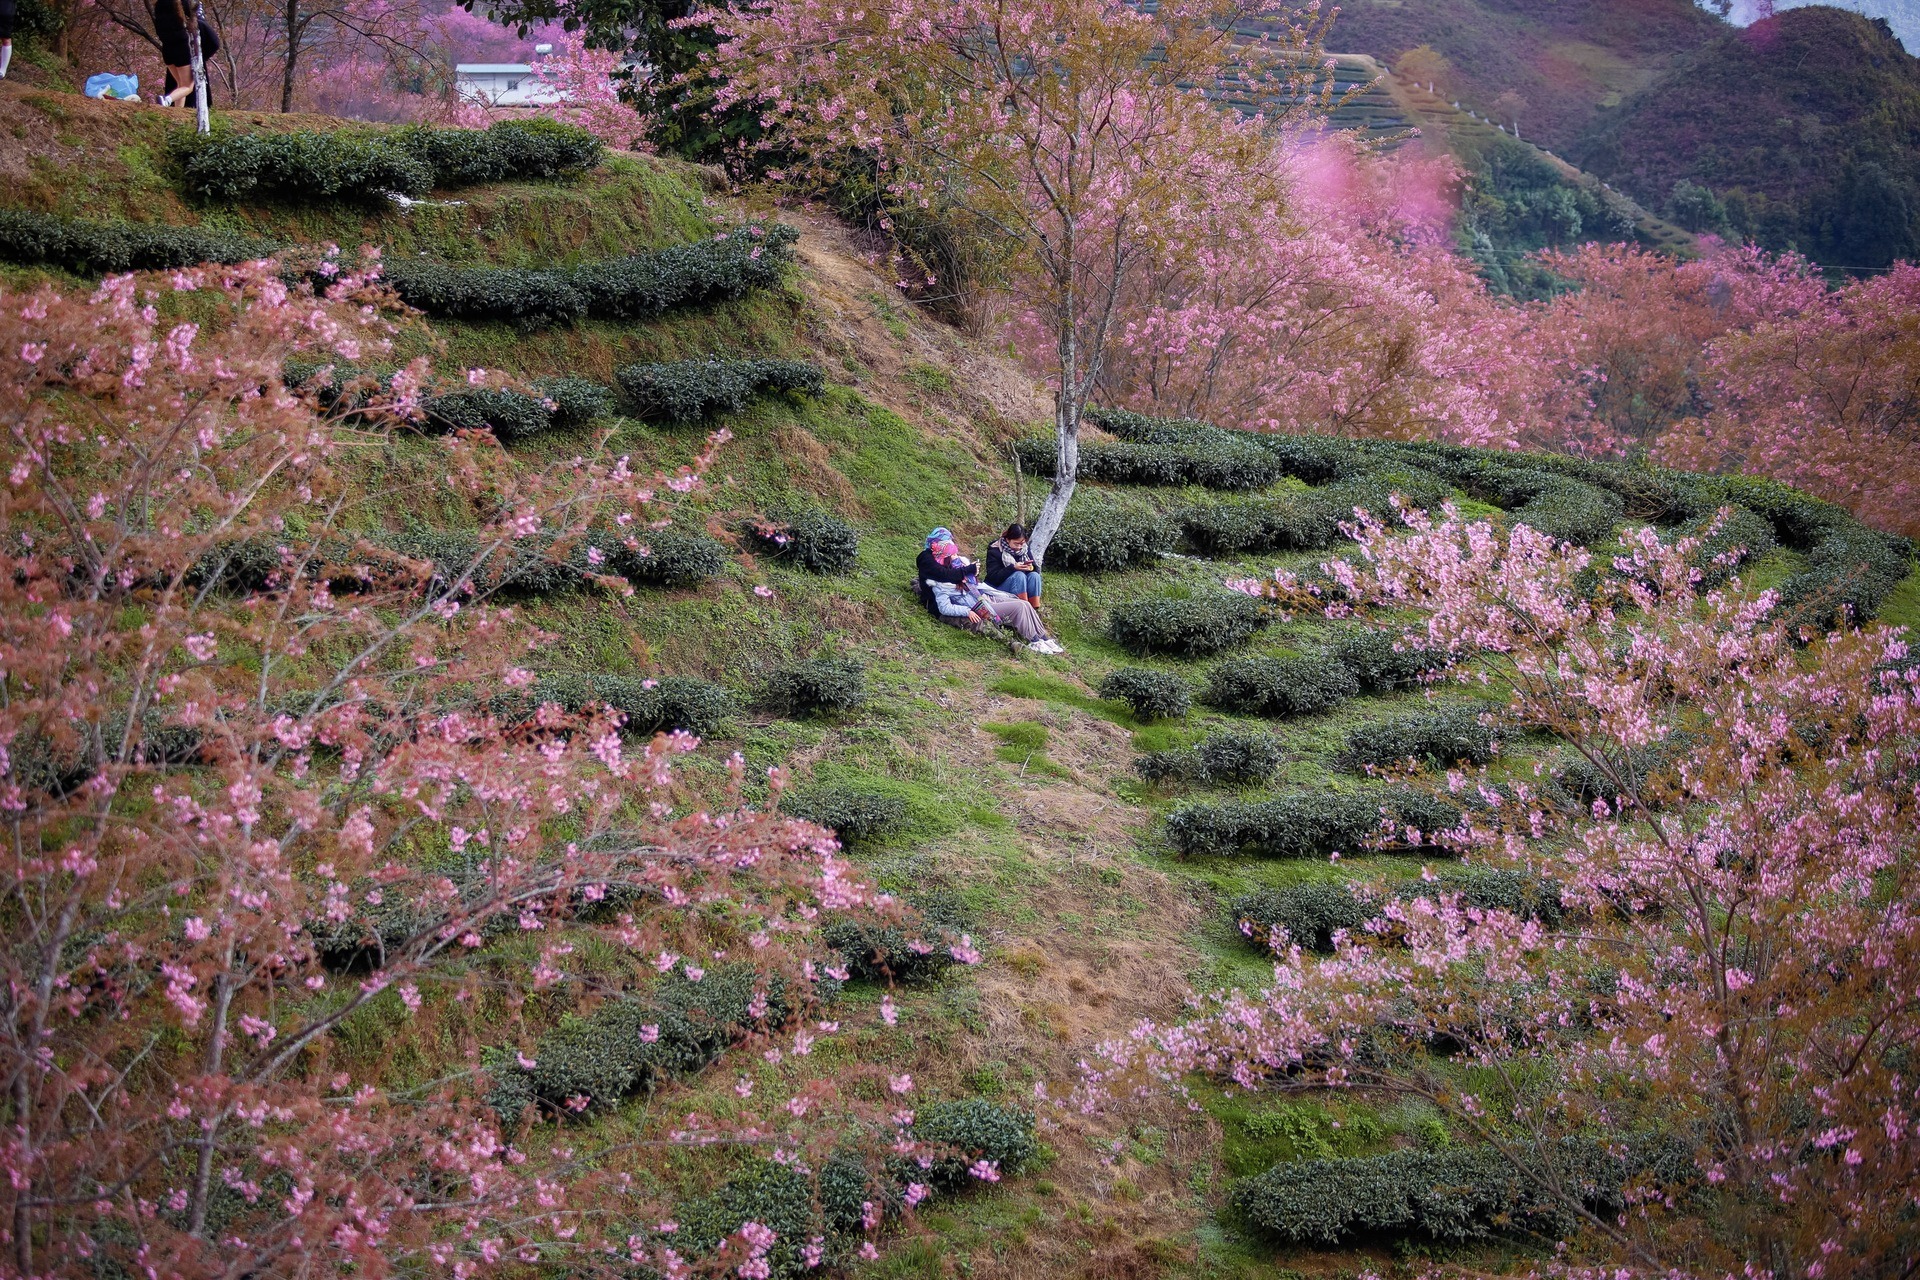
170,25
928,568
1008,566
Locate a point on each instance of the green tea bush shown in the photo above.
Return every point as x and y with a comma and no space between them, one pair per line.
851,813
784,1200
1214,461
651,705
669,557
630,1043
976,1130
98,248
510,415
305,167
1383,660
636,287
526,566
1453,1196
1849,575
1279,686
694,390
914,952
1310,913
1153,695
299,166
576,401
730,265
1726,545
1440,736
1226,758
526,297
1647,772
1527,896
507,151
1095,539
818,685
806,537
1191,626
1306,824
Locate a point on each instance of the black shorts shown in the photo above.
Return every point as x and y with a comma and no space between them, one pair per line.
173,36
6,19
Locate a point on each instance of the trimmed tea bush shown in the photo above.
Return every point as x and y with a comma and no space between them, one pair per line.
796,1207
651,705
1728,544
576,401
914,952
521,296
1279,686
1528,896
1849,574
1214,460
807,537
1096,539
730,265
1310,913
1306,824
694,390
98,248
1646,771
1191,626
628,1044
1449,1197
524,566
1382,660
304,166
668,557
977,1130
1440,736
506,151
1153,695
818,685
510,415
629,288
1227,758
851,813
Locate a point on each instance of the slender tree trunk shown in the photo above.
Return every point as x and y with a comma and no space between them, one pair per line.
293,56
1068,400
216,1062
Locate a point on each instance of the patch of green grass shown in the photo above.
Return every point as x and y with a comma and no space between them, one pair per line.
1902,607
1261,1131
1024,742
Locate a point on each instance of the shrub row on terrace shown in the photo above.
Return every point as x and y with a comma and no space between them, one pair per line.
1313,913
694,390
1230,757
1851,568
1310,824
669,557
636,287
1452,1197
1153,695
830,1206
86,247
304,166
806,538
1438,736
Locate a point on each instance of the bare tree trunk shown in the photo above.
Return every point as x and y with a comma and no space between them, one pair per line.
293,56
1068,401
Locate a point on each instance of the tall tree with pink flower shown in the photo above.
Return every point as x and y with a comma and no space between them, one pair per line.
1075,139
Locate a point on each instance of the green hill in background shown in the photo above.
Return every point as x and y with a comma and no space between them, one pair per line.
1799,132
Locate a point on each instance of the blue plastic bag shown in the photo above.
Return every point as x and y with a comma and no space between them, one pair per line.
109,85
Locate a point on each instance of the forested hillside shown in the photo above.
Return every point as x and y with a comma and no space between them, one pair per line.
1801,131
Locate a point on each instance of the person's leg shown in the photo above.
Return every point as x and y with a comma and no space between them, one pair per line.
6,57
1015,584
1020,616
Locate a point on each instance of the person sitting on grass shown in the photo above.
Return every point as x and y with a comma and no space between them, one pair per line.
956,597
1009,567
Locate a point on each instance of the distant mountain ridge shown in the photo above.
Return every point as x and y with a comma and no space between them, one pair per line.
1801,131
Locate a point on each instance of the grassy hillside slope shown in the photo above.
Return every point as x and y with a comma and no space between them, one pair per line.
1016,779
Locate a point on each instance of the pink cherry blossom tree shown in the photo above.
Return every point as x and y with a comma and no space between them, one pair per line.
1736,972
1077,140
234,723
